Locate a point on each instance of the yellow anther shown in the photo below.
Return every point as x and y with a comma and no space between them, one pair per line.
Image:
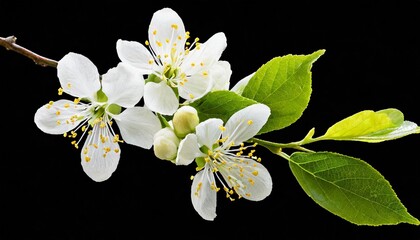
251,181
76,100
117,139
58,122
58,112
49,105
66,105
151,61
159,43
154,32
65,134
107,149
222,128
117,150
192,64
205,73
196,39
248,194
250,122
87,159
83,128
192,177
187,43
85,151
60,91
179,38
255,173
95,145
146,43
102,125
191,95
174,26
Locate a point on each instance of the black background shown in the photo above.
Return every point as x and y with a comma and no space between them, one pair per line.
371,62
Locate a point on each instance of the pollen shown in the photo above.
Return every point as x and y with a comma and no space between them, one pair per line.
87,159
117,150
174,26
151,61
58,122
250,122
68,85
49,105
255,173
191,95
154,32
66,105
58,112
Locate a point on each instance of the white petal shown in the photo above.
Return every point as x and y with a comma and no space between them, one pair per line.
246,123
188,150
203,198
208,54
209,131
100,158
220,72
135,54
159,97
166,31
240,86
196,87
250,178
59,117
123,85
138,125
78,76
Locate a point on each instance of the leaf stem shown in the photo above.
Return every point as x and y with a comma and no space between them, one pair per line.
276,148
10,44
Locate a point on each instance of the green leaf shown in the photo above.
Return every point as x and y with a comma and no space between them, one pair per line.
371,126
220,104
349,188
283,84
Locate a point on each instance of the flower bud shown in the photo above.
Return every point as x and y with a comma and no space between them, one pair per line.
185,120
165,144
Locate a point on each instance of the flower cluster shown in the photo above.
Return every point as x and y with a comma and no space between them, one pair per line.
169,72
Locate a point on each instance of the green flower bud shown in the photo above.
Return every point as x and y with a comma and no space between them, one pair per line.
185,120
165,144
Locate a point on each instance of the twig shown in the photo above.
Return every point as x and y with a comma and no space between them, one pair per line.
10,44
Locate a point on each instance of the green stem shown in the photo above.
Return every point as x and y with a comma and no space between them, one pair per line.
277,147
163,121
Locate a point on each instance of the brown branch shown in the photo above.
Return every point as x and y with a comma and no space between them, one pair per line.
10,44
